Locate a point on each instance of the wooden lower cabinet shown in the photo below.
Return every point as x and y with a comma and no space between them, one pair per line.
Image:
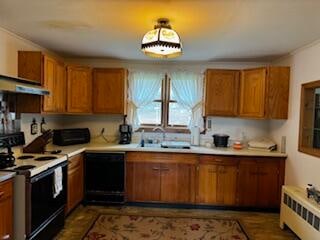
204,179
217,183
75,182
6,210
159,181
260,183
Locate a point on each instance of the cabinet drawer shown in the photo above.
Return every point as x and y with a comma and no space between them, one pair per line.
221,160
162,157
5,189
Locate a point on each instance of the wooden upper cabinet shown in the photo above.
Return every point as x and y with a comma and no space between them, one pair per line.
60,88
253,93
30,65
79,89
109,90
264,92
221,92
278,92
51,74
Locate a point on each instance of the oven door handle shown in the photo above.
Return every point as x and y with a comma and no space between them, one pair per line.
47,172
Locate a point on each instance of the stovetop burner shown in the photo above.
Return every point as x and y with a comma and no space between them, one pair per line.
25,167
24,157
45,158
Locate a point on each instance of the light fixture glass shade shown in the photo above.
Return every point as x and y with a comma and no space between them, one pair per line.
162,42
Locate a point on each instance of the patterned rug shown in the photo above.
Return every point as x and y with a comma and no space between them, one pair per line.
124,227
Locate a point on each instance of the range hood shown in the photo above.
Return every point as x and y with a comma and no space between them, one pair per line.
21,85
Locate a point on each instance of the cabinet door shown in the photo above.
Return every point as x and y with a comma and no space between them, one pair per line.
30,65
268,184
248,183
79,93
176,182
60,88
143,181
49,79
109,91
278,92
253,93
6,210
207,184
227,185
221,92
75,182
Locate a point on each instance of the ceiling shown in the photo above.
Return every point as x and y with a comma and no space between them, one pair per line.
211,30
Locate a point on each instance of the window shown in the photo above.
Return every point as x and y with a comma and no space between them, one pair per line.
165,110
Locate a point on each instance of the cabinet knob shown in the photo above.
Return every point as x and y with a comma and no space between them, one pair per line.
155,169
6,237
1,194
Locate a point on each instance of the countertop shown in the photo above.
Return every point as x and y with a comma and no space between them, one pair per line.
108,147
6,175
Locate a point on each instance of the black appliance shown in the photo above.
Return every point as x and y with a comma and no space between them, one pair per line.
7,141
125,133
44,211
220,140
64,137
105,177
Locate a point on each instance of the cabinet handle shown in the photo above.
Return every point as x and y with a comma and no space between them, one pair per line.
6,237
164,169
1,194
155,169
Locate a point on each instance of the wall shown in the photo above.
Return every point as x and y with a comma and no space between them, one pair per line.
10,44
301,168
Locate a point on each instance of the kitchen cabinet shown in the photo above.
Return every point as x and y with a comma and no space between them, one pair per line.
6,210
75,182
217,180
50,73
79,89
264,92
260,182
109,90
157,177
221,92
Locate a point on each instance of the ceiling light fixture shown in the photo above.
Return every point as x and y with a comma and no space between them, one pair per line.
162,41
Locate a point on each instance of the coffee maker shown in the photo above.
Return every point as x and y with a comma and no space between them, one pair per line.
125,131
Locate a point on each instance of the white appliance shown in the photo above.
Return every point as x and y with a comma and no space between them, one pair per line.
299,213
195,136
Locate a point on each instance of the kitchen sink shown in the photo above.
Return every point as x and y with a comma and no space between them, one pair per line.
168,144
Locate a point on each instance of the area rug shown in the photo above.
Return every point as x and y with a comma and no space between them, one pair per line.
131,227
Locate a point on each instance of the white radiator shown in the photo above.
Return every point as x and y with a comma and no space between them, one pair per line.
300,214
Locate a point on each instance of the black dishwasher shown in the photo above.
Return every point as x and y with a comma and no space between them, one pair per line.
105,178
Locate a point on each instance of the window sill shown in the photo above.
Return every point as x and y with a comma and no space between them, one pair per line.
166,129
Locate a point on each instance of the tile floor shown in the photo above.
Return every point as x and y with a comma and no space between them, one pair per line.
259,226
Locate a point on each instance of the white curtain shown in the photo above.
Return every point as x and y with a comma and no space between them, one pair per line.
143,87
187,88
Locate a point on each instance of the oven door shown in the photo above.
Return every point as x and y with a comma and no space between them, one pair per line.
43,206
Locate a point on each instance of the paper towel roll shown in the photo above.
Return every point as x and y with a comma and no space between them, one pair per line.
195,136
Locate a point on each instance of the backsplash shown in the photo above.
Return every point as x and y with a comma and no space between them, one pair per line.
235,127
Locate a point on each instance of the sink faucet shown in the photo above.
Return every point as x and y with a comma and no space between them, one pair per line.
160,129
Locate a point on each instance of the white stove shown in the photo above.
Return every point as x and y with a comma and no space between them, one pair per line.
33,164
